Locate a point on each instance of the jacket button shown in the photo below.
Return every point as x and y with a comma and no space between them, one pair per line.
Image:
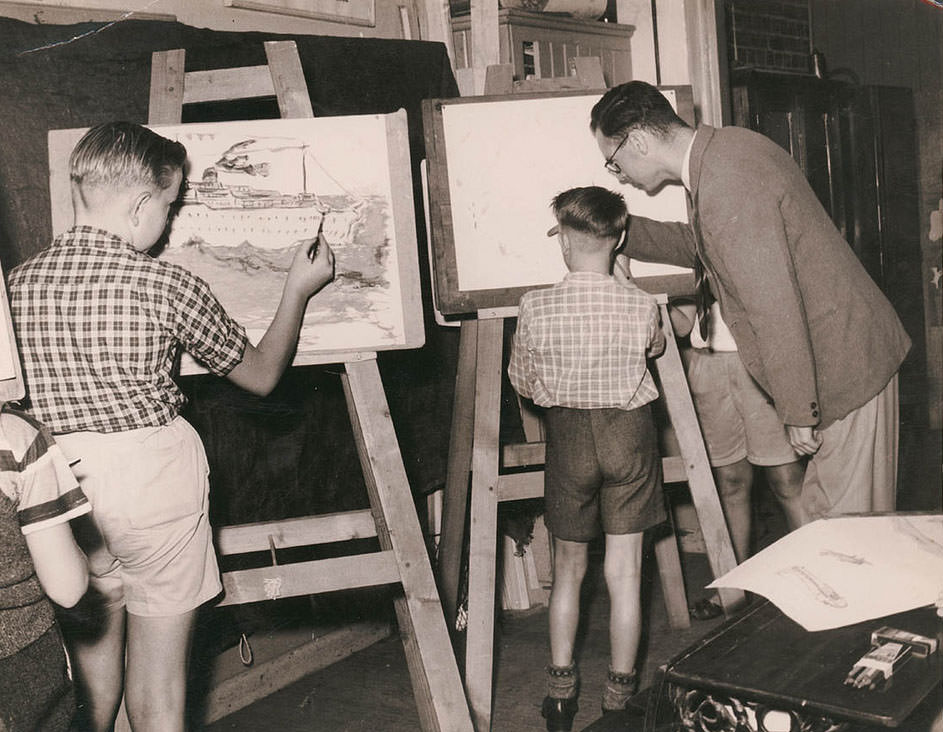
815,412
814,405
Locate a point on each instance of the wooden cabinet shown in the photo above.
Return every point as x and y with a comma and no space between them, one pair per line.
857,147
540,45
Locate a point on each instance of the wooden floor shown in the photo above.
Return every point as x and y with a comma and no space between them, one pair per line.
369,691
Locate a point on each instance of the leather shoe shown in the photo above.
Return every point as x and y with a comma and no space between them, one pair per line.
705,609
559,713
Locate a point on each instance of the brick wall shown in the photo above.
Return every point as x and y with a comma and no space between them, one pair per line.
769,34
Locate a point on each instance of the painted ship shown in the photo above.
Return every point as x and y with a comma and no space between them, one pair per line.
221,209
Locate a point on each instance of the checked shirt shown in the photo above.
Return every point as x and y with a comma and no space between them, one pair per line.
100,326
582,344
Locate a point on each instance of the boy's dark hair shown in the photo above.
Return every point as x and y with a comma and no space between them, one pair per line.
591,210
633,105
118,154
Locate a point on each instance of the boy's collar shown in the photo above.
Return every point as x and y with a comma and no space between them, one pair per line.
93,232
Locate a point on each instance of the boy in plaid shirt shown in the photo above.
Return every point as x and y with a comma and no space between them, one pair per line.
580,351
100,324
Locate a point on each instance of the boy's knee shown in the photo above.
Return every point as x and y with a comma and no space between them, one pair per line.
570,556
785,480
734,481
622,571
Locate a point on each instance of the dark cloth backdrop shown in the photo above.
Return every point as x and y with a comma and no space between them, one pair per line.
292,453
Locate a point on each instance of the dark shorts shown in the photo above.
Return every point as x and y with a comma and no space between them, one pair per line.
35,688
603,472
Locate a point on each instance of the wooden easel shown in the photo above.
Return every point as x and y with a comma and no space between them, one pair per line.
475,448
392,519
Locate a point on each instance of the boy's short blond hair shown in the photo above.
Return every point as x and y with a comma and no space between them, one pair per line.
124,154
592,210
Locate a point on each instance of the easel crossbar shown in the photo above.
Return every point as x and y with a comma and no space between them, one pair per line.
241,83
310,578
305,531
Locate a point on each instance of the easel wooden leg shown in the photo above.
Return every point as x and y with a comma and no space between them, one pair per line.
455,495
671,578
479,649
435,679
710,514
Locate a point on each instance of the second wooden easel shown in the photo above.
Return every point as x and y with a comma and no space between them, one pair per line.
476,461
402,558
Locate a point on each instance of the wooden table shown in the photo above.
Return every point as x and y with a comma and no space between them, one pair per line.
761,657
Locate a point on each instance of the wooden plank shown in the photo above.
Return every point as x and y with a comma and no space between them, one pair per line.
12,384
304,531
288,79
232,693
42,14
671,578
433,671
455,495
710,514
514,589
589,71
165,106
499,78
479,644
484,34
220,84
518,486
307,578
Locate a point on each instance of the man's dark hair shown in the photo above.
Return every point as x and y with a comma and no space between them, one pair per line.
591,210
633,105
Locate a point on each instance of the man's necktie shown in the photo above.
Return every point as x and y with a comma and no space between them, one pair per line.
703,298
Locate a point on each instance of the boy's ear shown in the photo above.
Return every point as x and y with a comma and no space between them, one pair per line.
564,238
137,203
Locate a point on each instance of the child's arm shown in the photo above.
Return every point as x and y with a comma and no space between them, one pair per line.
682,317
656,336
60,565
520,365
262,365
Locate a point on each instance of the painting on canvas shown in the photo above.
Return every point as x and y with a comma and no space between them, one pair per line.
257,190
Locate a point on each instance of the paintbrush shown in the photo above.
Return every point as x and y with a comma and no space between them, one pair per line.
313,249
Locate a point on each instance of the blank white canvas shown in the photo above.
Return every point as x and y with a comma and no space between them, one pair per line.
507,159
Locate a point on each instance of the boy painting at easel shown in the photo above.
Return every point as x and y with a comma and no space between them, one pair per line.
100,324
580,351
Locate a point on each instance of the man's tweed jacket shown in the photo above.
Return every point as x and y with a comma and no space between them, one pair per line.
811,326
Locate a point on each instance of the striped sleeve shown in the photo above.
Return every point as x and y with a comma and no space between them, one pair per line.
48,491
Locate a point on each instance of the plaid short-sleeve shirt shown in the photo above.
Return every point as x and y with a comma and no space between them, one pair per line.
583,342
100,326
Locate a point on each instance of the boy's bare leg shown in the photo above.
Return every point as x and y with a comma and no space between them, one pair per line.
99,670
570,559
734,483
622,568
158,658
786,483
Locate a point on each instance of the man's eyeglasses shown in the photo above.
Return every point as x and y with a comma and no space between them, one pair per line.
611,166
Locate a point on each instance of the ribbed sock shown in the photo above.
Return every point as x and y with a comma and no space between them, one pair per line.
620,687
563,682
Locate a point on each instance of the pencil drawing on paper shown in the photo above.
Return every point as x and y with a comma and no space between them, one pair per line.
256,190
817,587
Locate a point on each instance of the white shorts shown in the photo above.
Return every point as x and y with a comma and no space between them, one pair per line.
149,491
737,418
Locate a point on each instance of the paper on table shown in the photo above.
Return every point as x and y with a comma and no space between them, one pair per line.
839,571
